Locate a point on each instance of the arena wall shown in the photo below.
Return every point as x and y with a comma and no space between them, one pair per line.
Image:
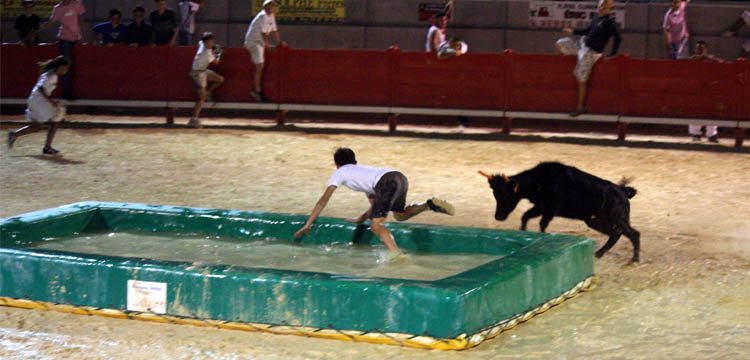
488,26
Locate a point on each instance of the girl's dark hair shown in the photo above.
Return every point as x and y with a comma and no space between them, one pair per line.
53,64
344,156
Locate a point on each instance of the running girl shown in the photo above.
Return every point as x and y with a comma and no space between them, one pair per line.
42,109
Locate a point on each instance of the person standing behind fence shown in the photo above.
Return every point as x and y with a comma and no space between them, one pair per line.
164,23
436,33
712,131
256,42
188,9
27,24
206,80
112,32
139,32
743,20
68,13
676,34
589,48
41,108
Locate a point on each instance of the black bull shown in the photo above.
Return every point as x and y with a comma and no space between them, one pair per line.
556,189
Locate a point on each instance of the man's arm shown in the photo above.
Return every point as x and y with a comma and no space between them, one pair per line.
319,206
277,35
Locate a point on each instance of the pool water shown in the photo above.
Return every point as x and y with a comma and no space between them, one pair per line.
341,259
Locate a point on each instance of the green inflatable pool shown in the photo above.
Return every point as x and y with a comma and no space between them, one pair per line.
244,270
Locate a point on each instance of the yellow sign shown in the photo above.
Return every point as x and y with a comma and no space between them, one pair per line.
13,8
307,10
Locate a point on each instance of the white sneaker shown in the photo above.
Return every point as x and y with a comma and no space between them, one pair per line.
441,206
195,123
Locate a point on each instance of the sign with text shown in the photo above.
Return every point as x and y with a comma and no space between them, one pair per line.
13,8
147,296
574,14
307,10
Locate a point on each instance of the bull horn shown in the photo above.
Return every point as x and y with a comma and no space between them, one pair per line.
488,176
506,179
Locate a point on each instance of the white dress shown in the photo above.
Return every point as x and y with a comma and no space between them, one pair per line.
39,109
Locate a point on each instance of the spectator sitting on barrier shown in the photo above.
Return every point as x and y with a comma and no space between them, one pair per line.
164,24
451,48
676,35
385,189
68,13
589,48
256,41
112,32
41,109
140,33
188,8
205,79
743,20
27,24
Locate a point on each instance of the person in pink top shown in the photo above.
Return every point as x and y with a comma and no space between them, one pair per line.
68,14
675,30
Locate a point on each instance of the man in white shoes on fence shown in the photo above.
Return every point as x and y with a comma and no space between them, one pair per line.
385,188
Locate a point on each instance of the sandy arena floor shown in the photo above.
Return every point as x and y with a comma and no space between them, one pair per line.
689,297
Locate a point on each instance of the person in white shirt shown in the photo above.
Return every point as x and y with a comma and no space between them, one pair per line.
256,41
188,8
205,79
436,33
41,108
385,189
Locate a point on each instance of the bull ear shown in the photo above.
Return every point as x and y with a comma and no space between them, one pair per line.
488,176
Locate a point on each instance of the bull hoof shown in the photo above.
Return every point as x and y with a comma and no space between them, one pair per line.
598,254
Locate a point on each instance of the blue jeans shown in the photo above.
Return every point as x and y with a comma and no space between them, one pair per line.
185,38
66,81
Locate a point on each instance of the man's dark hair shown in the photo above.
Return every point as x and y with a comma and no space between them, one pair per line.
344,156
114,12
139,9
701,42
207,36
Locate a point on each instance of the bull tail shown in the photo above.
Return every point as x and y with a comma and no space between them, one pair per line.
629,190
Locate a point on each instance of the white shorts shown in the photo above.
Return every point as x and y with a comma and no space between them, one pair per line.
586,60
200,77
256,53
39,110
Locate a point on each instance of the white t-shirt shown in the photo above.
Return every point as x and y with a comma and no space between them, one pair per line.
358,177
203,57
47,81
440,35
187,15
263,23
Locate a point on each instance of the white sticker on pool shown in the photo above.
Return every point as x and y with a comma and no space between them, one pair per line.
147,296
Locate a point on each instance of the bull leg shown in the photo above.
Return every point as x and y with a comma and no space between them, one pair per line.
635,238
607,229
546,218
530,214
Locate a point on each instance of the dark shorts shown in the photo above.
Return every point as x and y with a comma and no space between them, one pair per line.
390,194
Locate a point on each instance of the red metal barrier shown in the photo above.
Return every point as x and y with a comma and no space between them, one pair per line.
19,70
337,77
682,89
516,82
121,73
467,82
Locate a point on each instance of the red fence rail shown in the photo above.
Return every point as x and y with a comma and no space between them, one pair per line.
392,78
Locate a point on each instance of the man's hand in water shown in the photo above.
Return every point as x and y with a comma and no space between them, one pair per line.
302,232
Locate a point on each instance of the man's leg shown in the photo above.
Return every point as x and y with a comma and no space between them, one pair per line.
382,232
214,81
581,99
194,122
258,77
434,204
